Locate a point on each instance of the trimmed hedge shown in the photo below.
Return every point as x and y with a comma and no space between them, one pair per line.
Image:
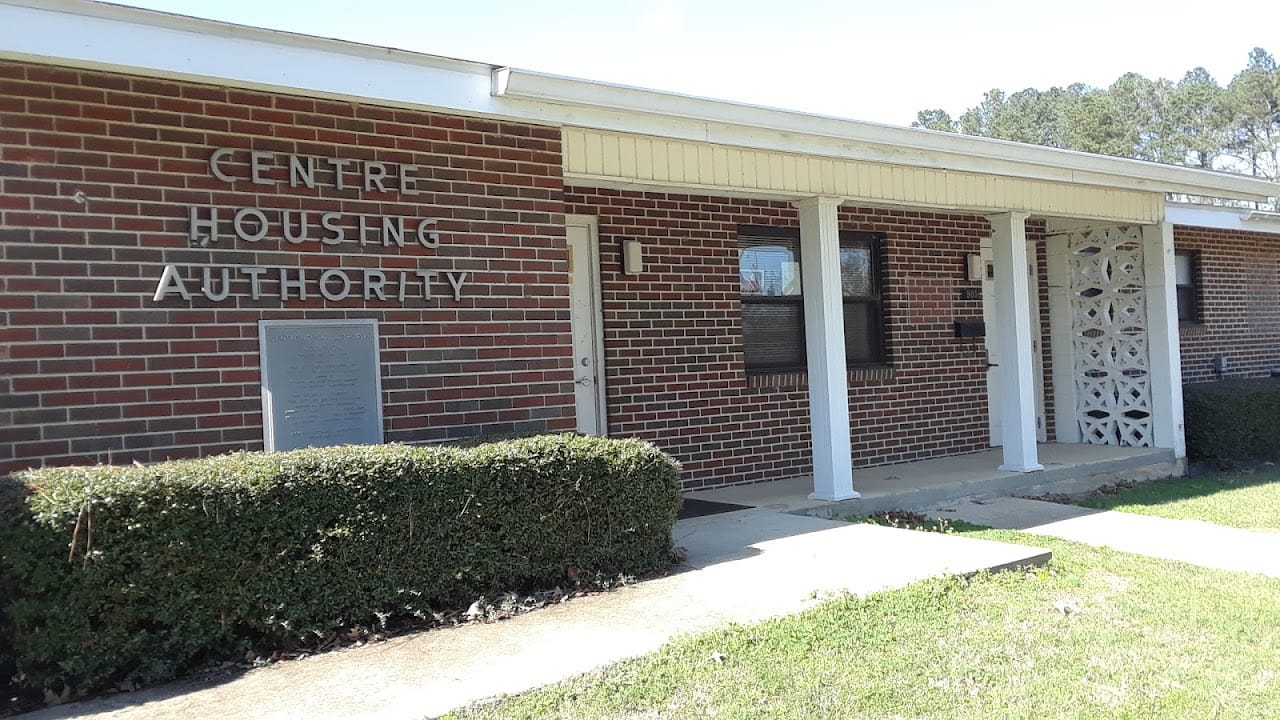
139,573
1233,420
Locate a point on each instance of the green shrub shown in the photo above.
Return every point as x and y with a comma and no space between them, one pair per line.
1233,420
137,573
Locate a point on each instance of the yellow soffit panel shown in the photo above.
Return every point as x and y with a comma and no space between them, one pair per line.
621,159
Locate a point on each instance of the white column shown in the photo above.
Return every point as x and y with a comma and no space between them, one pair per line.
824,344
1017,376
1162,338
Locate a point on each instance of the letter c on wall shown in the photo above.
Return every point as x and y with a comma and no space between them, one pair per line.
218,156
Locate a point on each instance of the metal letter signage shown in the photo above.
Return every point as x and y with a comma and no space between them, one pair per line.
209,227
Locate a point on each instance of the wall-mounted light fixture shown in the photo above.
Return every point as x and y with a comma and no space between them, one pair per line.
632,257
975,267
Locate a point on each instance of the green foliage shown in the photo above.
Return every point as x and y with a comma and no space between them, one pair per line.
137,573
1096,634
1199,119
1254,103
935,119
1233,420
1248,500
1194,122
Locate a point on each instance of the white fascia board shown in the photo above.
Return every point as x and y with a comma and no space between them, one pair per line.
94,35
769,128
1222,218
108,37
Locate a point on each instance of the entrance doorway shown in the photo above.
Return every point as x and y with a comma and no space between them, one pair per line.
587,324
995,413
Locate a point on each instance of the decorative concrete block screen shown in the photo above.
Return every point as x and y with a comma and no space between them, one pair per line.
1109,331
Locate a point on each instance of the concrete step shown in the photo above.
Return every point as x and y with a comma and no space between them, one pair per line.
1056,478
1069,469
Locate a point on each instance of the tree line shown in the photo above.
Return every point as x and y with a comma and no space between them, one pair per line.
1194,122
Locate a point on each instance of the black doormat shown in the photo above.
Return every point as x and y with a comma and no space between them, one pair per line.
697,508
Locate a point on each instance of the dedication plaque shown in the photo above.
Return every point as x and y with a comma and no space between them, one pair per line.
320,383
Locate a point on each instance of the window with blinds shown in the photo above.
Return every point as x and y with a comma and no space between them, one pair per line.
773,301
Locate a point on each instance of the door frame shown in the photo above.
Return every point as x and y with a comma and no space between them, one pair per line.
1037,338
592,226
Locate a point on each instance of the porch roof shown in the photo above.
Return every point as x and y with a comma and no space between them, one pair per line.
657,113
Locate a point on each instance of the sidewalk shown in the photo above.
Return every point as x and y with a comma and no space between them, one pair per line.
742,567
1189,541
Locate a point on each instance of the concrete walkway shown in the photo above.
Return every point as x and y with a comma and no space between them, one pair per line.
742,567
1190,541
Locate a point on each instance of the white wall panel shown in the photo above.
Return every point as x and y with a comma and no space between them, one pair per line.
620,159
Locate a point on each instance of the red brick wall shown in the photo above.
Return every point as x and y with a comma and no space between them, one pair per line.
97,174
673,339
1239,300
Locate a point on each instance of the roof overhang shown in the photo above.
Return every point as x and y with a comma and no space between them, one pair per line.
744,125
94,35
1223,218
100,36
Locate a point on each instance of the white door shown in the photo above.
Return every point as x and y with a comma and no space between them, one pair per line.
586,321
994,393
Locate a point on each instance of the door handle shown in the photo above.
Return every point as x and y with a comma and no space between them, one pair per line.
582,381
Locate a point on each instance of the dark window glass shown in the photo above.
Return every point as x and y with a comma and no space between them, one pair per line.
772,307
861,333
857,278
860,282
773,304
776,335
1186,275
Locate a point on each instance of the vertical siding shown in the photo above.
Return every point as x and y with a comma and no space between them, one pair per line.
609,156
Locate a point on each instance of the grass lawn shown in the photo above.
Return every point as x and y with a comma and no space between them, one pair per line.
1098,634
1242,500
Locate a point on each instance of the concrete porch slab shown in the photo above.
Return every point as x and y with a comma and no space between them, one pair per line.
741,567
913,485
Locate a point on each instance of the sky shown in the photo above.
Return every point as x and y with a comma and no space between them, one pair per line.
873,60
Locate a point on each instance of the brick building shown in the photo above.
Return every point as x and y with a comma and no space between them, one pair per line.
1229,264
764,294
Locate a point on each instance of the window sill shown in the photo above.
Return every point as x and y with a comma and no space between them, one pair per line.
800,378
